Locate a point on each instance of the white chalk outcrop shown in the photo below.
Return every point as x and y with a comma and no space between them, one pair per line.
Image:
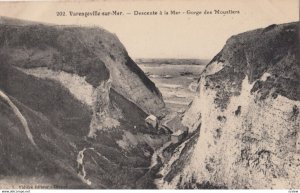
247,109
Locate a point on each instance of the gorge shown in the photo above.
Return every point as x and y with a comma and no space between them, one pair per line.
85,101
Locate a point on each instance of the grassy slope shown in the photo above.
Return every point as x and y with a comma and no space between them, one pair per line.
91,52
54,158
246,54
58,121
60,141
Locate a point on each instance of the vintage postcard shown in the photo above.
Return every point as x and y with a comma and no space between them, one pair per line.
150,94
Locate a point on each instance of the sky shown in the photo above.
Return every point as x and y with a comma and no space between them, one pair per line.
176,36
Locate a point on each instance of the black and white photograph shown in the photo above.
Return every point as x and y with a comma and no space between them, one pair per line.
150,94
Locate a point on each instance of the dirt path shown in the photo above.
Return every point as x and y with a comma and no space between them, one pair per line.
82,172
19,115
166,168
158,154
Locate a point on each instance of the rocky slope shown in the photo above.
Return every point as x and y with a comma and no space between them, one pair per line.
247,109
73,105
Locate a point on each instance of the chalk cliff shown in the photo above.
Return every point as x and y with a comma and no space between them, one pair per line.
247,113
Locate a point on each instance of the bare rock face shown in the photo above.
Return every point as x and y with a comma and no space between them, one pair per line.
247,109
72,109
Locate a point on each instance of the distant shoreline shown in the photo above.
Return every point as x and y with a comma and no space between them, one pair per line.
172,61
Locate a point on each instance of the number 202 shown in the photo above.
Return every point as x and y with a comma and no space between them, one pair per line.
60,13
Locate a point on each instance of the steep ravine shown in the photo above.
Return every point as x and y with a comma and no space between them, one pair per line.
79,98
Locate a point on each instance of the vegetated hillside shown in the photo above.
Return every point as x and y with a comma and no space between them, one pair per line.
247,109
90,52
83,101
